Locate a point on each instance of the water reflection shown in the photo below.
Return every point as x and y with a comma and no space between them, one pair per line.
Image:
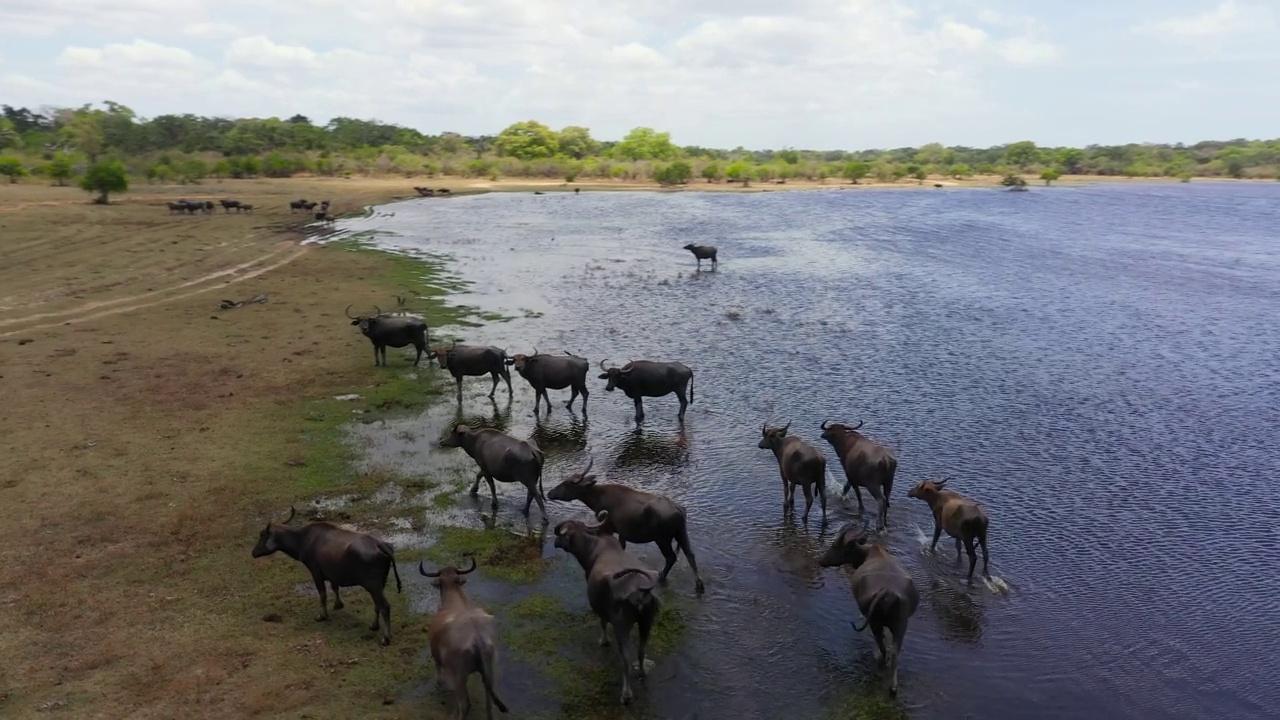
640,448
959,616
499,418
561,438
798,550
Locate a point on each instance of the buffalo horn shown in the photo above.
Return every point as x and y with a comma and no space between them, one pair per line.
377,311
855,427
764,428
590,462
470,569
535,349
786,427
602,367
422,569
825,423
292,512
348,312
601,518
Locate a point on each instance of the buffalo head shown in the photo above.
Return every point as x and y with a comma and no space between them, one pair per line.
771,438
613,374
572,487
576,536
447,575
927,490
834,432
520,361
267,538
455,436
365,322
850,547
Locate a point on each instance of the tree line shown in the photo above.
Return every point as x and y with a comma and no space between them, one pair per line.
62,144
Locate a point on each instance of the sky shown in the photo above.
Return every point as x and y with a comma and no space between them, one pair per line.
812,74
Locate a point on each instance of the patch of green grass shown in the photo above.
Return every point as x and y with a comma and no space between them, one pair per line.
499,554
868,700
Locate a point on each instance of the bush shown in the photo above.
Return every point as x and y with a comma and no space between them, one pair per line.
677,173
12,167
105,178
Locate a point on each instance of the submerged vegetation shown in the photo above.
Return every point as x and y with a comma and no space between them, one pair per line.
59,144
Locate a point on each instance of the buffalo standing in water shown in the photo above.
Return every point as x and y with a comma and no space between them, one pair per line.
640,379
543,371
703,252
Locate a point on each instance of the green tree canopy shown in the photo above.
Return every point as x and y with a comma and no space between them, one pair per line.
644,143
59,169
1022,153
576,142
677,173
528,140
105,178
12,167
1049,175
855,171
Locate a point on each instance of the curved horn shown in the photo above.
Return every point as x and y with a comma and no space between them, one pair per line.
377,310
423,570
602,367
292,512
764,427
470,569
855,427
786,427
825,423
601,518
591,462
348,312
535,349
559,531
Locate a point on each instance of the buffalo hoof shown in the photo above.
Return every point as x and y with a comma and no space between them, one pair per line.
626,697
338,606
546,520
893,691
493,505
322,618
699,587
384,641
374,626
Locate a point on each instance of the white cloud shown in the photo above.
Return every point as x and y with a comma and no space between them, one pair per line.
1025,51
1226,19
210,30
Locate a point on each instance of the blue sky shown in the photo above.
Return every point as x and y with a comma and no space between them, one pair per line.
761,74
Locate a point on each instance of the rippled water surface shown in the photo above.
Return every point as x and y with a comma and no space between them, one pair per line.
1097,366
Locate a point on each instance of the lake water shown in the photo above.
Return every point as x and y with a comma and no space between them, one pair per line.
1096,365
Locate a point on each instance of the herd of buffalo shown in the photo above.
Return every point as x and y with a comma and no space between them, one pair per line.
620,588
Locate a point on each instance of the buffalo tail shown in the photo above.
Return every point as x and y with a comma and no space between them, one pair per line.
386,549
486,675
637,594
690,388
871,610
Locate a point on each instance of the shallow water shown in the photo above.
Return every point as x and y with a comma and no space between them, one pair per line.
1096,365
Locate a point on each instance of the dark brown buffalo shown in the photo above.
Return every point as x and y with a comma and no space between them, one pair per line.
557,372
702,252
503,458
619,589
882,588
640,379
474,361
342,558
867,464
799,463
635,516
396,331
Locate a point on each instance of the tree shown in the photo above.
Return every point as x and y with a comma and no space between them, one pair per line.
1049,175
959,171
918,173
9,135
739,172
105,178
1021,154
576,142
855,171
644,143
1013,182
84,131
711,172
789,156
1070,159
59,169
677,173
12,167
528,140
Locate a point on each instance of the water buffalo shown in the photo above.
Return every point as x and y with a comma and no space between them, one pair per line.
462,639
882,588
228,204
702,252
634,516
556,372
799,463
962,518
473,361
640,379
244,207
297,204
503,458
619,589
208,207
343,558
179,206
867,464
396,331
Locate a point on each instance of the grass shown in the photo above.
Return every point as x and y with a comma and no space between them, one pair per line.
157,432
499,553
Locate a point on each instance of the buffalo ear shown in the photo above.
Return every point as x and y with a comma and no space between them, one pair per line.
589,480
604,376
355,322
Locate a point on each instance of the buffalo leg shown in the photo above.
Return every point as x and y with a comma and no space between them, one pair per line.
475,486
537,400
639,410
324,598
684,403
685,547
621,631
646,624
573,395
822,498
494,389
376,361
493,491
458,380
898,633
460,694
808,500
882,502
381,607
877,632
337,599
668,554
937,533
542,504
786,488
986,570
547,398
418,359
506,375
973,556
604,633
957,549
